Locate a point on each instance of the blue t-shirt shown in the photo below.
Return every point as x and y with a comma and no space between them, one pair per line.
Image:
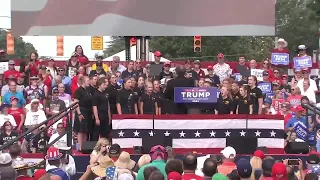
300,127
59,172
19,95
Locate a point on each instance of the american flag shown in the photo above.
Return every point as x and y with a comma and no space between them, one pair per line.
148,17
200,133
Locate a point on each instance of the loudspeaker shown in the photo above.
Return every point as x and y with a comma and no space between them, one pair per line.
87,147
297,148
243,145
157,139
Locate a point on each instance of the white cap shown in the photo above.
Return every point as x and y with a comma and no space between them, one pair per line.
302,47
5,158
229,152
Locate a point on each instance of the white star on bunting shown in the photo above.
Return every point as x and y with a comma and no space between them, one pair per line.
258,133
212,134
227,133
136,133
197,134
167,133
273,134
182,134
151,133
121,133
242,133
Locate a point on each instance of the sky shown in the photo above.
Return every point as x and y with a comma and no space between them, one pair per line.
46,45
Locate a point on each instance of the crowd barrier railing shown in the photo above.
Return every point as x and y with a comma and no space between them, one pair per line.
67,112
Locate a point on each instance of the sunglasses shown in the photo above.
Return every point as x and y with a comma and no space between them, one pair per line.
138,62
266,63
60,127
61,70
276,72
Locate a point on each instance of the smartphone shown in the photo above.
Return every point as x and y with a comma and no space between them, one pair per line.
293,162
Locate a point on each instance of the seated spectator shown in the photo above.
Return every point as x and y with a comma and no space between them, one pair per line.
7,172
35,142
35,115
6,87
7,133
11,70
34,91
189,167
62,78
158,156
228,165
4,116
100,150
59,131
17,113
115,151
209,168
53,156
174,165
13,92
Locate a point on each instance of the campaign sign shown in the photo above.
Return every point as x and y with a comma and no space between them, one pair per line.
301,130
302,62
270,95
258,73
195,95
280,58
265,87
237,77
276,104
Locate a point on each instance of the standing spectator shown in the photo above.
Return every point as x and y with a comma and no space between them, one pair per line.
253,64
101,111
6,87
281,47
46,78
32,69
83,121
256,95
266,169
116,66
83,60
241,65
98,70
129,72
166,73
302,50
244,104
11,71
67,163
307,91
190,73
276,76
222,69
157,57
13,92
104,66
93,84
112,91
66,98
244,169
266,66
148,104
228,165
4,116
279,171
72,65
17,113
126,103
295,98
53,156
51,68
74,82
209,169
138,67
306,77
225,103
213,77
189,167
66,80
197,69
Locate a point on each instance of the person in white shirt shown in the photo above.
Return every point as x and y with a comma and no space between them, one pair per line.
59,131
35,116
116,66
306,77
4,117
222,69
308,91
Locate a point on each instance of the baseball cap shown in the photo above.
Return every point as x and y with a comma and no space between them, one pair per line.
39,173
279,171
11,62
196,62
209,68
157,53
5,158
302,47
174,176
55,90
13,98
220,56
267,165
298,108
219,176
229,152
115,150
313,159
259,153
167,63
244,168
265,73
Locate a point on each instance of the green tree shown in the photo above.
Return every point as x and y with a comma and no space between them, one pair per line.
114,46
22,49
314,6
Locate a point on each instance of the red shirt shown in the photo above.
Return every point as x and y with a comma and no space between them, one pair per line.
33,67
191,176
83,60
294,100
48,82
286,119
278,80
13,73
16,113
201,74
74,84
24,178
285,50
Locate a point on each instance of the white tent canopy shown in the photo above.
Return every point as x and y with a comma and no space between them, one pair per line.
133,51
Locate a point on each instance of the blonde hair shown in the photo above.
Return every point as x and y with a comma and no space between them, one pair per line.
256,163
99,143
144,159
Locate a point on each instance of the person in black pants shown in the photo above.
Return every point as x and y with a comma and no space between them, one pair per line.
101,111
83,121
126,99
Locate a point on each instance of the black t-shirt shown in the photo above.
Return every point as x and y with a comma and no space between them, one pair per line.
127,99
166,75
112,91
139,72
101,100
215,79
139,90
91,90
255,94
4,137
225,106
243,104
148,103
192,74
235,98
96,73
84,97
38,141
56,105
127,74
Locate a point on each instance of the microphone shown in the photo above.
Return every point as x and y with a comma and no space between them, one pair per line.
130,96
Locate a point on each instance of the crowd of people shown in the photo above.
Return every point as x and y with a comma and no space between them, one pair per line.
39,89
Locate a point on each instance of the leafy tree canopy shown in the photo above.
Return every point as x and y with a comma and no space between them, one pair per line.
22,49
296,21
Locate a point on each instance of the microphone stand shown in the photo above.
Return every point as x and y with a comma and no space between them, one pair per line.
153,111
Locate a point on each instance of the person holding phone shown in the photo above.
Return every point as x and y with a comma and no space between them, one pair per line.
100,149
